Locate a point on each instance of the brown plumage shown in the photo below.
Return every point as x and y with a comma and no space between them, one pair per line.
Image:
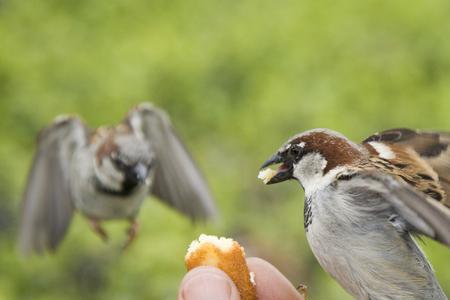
334,148
422,159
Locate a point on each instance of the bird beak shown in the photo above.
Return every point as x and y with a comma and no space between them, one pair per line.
139,172
283,173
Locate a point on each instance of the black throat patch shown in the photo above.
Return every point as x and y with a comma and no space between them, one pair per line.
307,214
127,189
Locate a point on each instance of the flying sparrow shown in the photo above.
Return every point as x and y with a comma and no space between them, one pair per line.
105,174
364,202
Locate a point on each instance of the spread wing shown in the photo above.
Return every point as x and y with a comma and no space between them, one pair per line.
177,180
47,206
421,213
432,147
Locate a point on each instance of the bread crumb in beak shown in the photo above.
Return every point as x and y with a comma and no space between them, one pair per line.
266,174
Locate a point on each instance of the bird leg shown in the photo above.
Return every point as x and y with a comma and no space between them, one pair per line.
96,226
131,232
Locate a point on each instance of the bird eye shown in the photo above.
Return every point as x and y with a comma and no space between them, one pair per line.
120,164
118,161
295,151
114,155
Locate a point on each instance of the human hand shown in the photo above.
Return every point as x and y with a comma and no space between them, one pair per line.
210,283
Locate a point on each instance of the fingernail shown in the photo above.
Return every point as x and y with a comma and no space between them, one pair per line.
207,287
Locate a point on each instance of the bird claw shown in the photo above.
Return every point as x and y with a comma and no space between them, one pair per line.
131,233
98,229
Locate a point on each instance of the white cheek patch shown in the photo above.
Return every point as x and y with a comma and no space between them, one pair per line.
311,164
309,171
108,175
383,150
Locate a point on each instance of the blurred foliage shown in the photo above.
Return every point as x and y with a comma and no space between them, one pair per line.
238,78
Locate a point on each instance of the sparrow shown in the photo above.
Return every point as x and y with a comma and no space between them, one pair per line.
365,203
106,174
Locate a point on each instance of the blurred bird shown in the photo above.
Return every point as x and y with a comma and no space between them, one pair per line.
106,174
364,202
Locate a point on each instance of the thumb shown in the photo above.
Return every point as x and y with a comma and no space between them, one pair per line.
207,283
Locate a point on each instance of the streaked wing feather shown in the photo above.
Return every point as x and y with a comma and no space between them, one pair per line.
432,147
423,214
177,180
47,207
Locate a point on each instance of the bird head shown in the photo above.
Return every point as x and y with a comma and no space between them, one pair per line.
310,156
123,161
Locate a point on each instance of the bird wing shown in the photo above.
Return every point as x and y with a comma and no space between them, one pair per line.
423,214
47,207
177,180
432,147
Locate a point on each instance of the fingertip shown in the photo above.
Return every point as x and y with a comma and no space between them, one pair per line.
270,283
204,283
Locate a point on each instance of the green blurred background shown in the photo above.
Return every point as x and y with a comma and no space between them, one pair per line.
238,78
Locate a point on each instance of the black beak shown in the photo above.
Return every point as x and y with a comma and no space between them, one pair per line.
275,159
284,172
137,173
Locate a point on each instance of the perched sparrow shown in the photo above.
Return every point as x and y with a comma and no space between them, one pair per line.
106,174
365,201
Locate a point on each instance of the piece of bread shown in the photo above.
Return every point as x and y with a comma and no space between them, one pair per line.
266,174
227,255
